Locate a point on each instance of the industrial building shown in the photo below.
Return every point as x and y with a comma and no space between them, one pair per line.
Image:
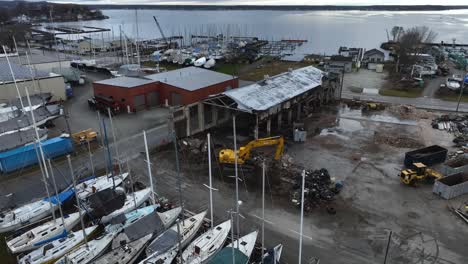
173,88
44,82
263,106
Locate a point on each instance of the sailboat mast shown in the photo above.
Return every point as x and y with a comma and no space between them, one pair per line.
302,217
116,144
14,79
263,210
148,163
77,200
40,150
237,177
178,174
209,173
56,192
90,158
109,159
137,37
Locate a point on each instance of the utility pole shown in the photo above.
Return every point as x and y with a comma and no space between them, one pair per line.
302,217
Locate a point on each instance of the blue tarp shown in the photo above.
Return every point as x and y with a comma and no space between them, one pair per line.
63,196
25,156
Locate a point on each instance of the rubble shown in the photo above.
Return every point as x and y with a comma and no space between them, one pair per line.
409,112
396,141
456,124
319,189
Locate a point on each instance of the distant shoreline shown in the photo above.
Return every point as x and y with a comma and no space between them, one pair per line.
288,7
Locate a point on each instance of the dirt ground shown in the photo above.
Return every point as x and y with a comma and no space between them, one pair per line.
372,204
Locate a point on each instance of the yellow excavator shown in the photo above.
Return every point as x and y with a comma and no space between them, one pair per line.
227,156
419,173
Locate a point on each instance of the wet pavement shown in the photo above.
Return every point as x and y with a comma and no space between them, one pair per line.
372,203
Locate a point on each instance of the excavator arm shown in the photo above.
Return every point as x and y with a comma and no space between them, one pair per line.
228,156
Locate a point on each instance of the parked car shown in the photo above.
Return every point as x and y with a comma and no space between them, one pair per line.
452,84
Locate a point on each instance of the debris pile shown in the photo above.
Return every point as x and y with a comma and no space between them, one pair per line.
396,141
192,148
456,124
319,188
409,112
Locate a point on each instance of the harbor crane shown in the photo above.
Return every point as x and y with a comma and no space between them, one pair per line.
161,31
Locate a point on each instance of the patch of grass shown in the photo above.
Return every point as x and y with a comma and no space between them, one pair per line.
228,68
454,98
410,93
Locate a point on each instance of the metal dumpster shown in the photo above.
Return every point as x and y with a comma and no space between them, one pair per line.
429,156
451,186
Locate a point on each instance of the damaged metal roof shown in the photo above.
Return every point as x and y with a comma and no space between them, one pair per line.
275,90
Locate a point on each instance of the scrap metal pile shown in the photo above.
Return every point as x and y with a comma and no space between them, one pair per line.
457,124
319,189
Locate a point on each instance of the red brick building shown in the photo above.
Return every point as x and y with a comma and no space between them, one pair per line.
179,87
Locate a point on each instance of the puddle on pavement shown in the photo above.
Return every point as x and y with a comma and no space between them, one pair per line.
347,120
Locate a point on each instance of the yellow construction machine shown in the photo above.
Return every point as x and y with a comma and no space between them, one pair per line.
418,173
227,156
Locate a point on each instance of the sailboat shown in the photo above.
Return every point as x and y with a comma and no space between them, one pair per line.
126,252
207,244
129,244
200,62
52,251
30,213
93,185
132,201
86,253
210,63
242,254
165,247
43,234
273,255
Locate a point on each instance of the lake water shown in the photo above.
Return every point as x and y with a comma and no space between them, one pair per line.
324,30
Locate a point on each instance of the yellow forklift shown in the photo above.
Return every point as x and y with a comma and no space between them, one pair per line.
419,172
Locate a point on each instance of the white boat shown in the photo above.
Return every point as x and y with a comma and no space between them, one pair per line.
207,244
154,223
86,188
30,213
126,253
43,234
165,247
200,62
210,63
86,253
54,250
273,255
242,254
132,201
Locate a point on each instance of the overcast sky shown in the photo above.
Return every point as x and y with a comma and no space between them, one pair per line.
274,2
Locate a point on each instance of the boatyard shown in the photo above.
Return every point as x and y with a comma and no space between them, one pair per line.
214,145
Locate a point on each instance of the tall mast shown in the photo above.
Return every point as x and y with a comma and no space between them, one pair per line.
14,79
136,41
148,163
178,174
209,173
263,210
237,177
302,217
77,200
116,144
56,192
41,151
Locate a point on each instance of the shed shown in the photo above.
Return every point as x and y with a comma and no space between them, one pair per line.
192,84
137,93
44,81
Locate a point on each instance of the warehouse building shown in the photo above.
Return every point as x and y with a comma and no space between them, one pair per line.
173,88
44,82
